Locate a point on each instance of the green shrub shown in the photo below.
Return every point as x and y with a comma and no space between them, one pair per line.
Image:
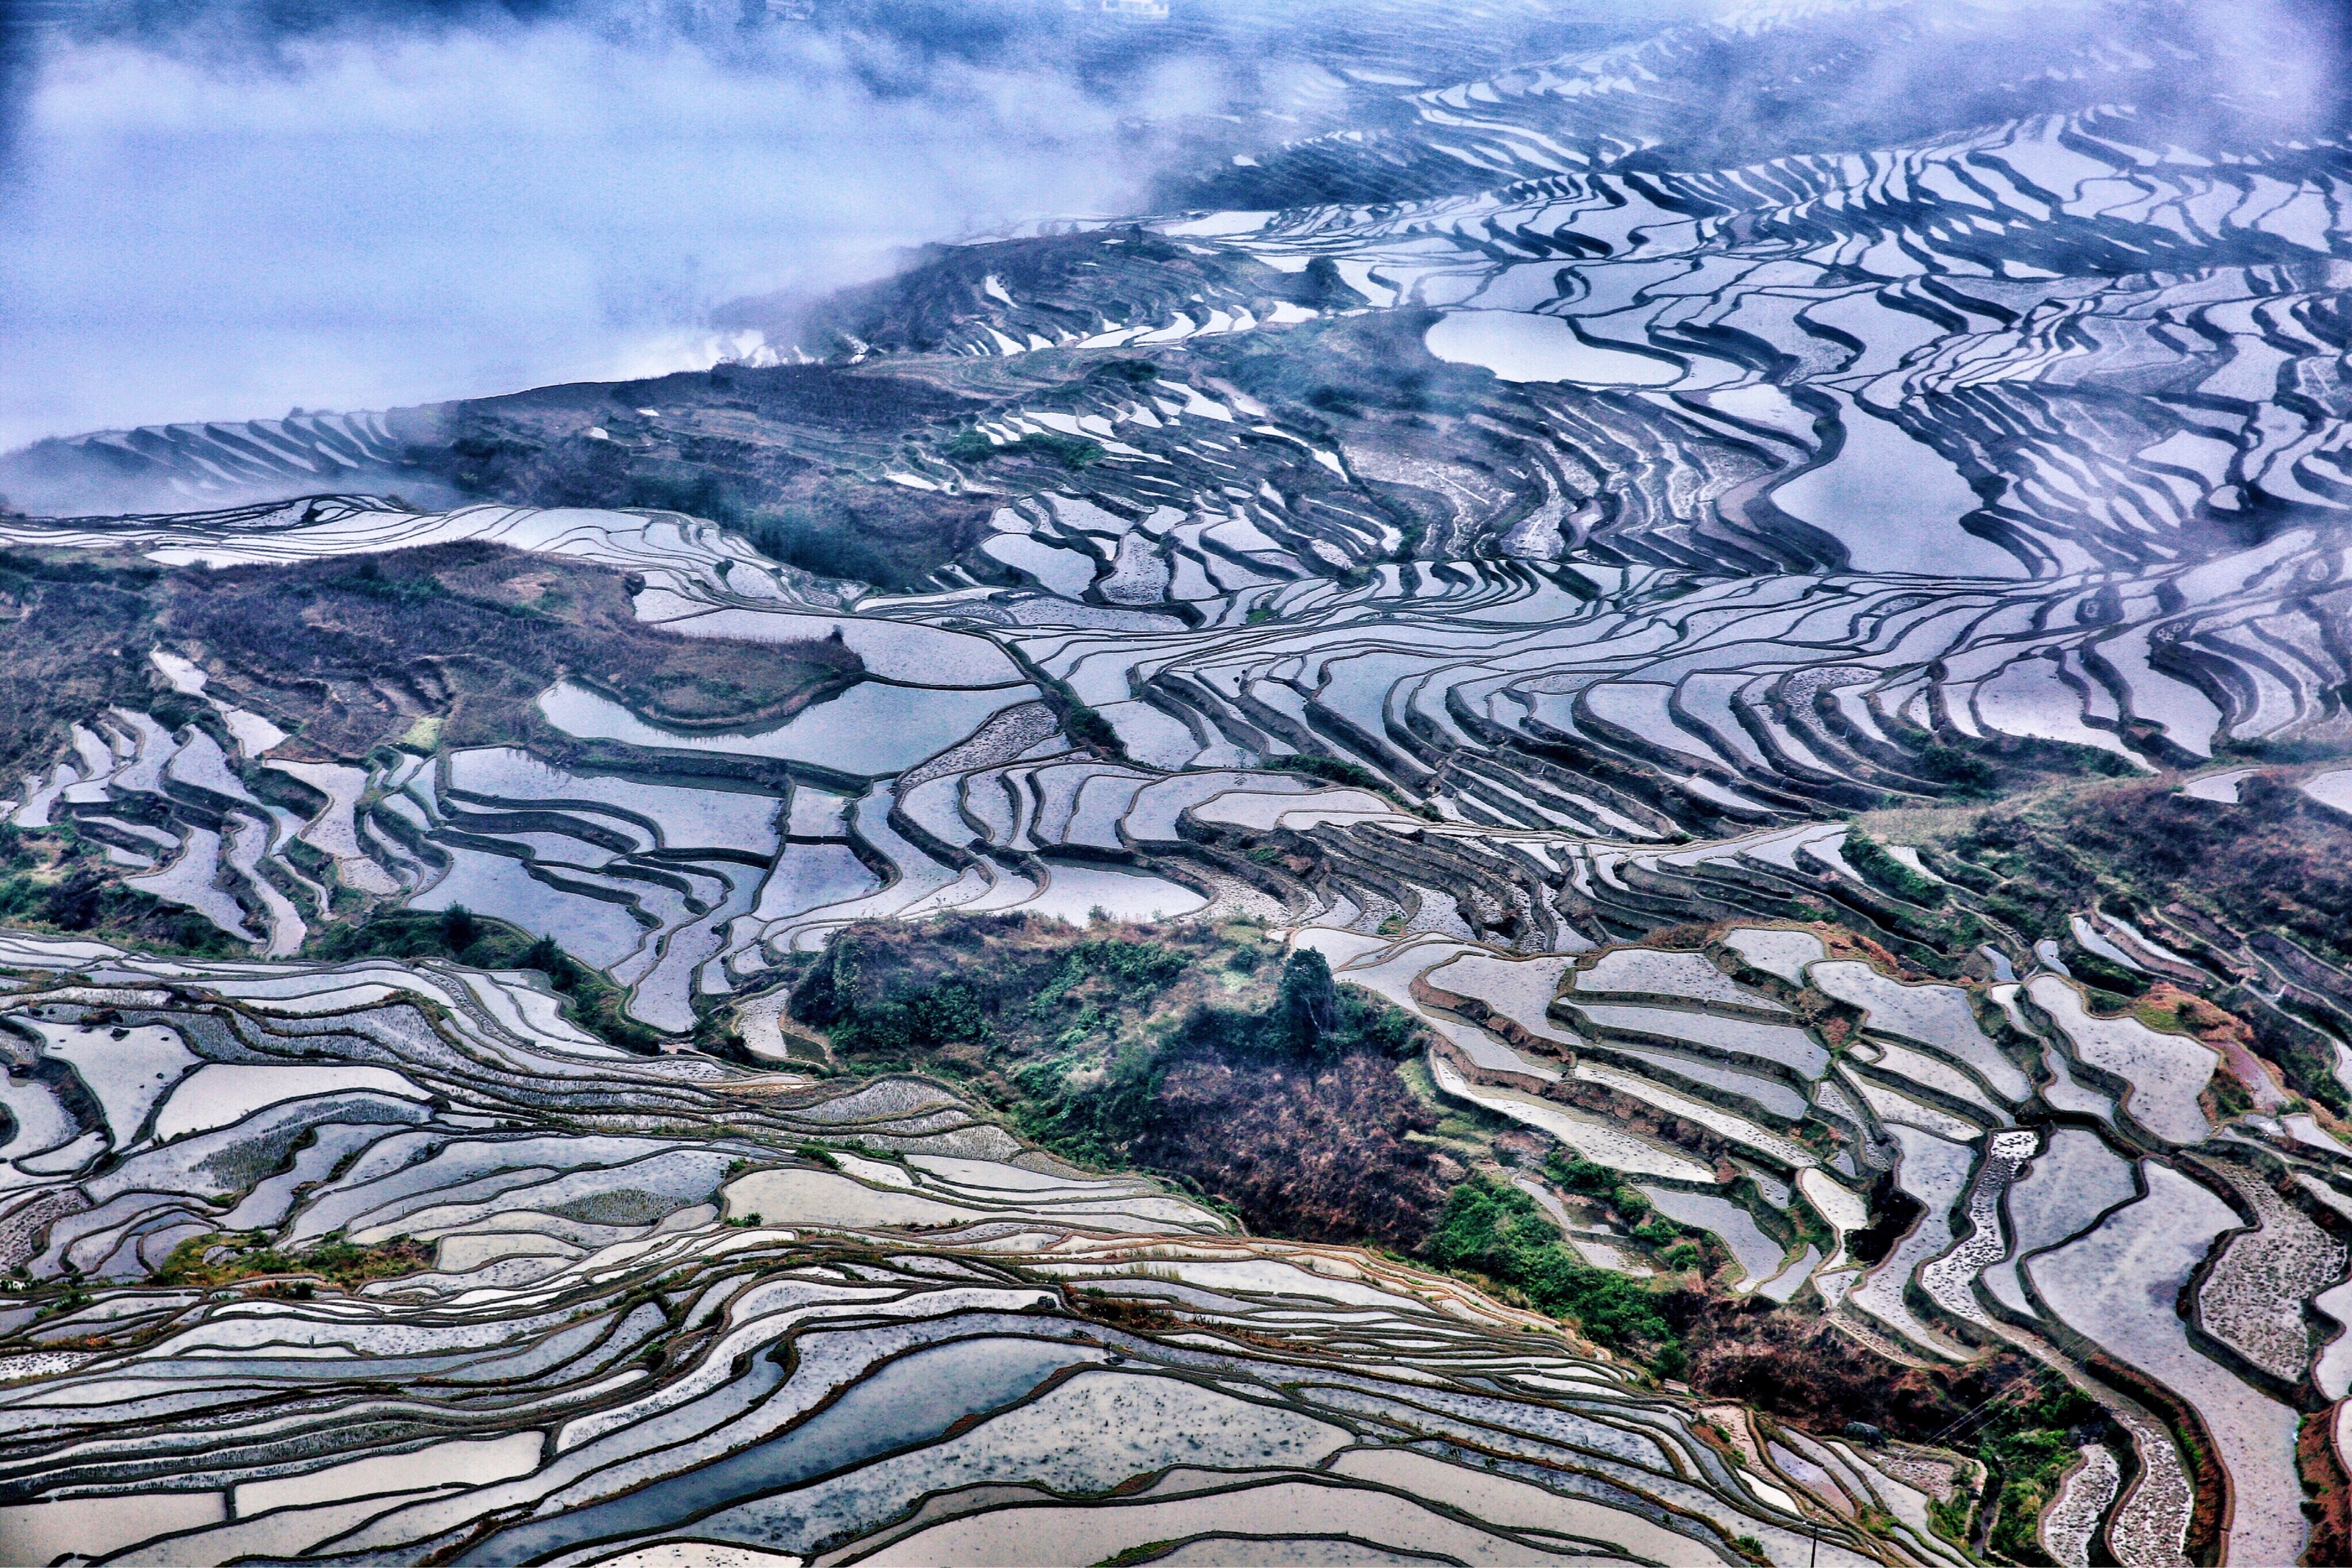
2027,1445
1573,1173
369,580
1870,857
1499,1231
1141,967
1088,727
1966,773
2104,973
948,1013
1331,770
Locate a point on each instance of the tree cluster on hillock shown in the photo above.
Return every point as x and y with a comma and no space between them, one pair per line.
213,1260
1204,1053
770,452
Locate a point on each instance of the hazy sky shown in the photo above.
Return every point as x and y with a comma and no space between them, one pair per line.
225,208
209,228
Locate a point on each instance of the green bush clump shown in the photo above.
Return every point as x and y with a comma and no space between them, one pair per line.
944,1014
1658,1231
2029,1446
1870,857
1967,774
1950,1517
1144,966
1497,1230
369,579
1333,769
245,1255
1572,1172
2104,973
1087,726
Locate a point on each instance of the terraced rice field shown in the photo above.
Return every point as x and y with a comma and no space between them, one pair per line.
1528,549
2166,1072
574,1207
2252,1296
2090,1489
2111,1287
685,887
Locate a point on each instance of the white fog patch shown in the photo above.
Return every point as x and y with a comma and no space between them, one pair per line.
368,223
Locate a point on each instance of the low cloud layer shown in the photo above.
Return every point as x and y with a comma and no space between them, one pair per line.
216,223
221,209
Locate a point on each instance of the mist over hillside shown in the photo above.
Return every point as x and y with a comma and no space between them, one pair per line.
215,209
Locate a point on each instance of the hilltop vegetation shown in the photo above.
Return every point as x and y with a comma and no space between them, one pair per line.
2273,860
1200,1052
770,452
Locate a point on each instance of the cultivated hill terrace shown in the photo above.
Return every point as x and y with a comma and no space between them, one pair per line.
1561,825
